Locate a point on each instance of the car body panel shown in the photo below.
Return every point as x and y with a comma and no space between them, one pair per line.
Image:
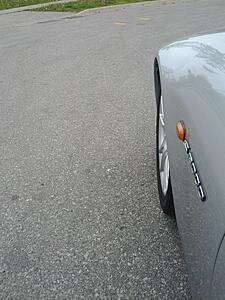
193,88
218,286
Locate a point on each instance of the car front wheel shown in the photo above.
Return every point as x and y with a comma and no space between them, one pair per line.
163,165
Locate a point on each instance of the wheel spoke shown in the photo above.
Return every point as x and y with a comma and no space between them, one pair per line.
163,161
167,167
161,118
163,144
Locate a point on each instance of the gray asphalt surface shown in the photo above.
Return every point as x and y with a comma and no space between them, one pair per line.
79,211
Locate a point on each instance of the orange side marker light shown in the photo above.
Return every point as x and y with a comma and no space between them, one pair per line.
181,131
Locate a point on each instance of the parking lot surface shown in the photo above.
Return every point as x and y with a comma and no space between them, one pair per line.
79,210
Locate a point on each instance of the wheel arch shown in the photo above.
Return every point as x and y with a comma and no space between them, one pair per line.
157,81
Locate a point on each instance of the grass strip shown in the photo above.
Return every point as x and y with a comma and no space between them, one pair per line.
84,4
6,4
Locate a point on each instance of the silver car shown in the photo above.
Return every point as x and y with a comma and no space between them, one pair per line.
190,95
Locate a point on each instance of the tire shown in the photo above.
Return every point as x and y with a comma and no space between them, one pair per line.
164,185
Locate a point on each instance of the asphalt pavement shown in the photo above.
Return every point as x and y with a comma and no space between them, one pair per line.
79,209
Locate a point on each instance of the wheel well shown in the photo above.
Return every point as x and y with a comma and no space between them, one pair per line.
157,80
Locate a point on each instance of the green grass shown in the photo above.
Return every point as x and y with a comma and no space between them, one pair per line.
6,4
85,4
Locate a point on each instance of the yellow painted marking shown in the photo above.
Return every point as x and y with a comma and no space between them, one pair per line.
120,23
144,19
